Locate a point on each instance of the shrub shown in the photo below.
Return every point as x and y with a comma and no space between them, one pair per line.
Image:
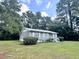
72,36
61,38
49,40
30,41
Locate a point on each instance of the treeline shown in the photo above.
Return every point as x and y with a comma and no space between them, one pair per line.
11,23
36,21
68,12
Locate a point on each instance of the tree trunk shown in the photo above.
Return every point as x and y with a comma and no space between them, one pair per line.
70,17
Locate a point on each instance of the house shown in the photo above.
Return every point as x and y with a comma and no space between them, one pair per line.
42,35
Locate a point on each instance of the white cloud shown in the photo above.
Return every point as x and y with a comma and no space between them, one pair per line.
44,14
1,0
39,2
48,5
53,18
24,8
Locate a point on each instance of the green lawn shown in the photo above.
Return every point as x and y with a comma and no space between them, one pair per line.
62,50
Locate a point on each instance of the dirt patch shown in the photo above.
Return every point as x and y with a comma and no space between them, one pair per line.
2,56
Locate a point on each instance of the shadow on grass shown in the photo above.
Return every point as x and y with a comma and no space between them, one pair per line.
21,43
72,40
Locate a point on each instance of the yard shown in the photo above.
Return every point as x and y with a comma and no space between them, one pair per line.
62,50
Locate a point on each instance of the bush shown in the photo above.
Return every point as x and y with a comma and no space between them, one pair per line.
30,41
72,36
61,38
49,40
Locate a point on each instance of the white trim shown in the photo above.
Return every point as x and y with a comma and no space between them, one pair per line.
38,30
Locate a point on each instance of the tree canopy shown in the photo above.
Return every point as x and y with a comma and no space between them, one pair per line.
9,19
66,9
36,21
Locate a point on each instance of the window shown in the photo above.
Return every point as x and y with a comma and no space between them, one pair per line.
36,34
30,33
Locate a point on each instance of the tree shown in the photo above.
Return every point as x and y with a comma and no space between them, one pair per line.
59,27
45,23
11,5
9,18
66,9
29,20
36,21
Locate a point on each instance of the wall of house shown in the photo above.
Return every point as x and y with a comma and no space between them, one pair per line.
23,35
43,36
40,35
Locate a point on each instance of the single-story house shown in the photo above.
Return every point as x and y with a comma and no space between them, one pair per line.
42,35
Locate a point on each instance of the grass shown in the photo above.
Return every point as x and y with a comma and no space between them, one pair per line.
62,50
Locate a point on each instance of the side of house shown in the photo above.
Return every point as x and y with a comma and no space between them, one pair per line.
42,35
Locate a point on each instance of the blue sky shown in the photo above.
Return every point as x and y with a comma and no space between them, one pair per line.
46,6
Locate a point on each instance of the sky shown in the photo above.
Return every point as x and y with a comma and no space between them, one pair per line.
46,7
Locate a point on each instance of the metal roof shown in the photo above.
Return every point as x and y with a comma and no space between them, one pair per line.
38,30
